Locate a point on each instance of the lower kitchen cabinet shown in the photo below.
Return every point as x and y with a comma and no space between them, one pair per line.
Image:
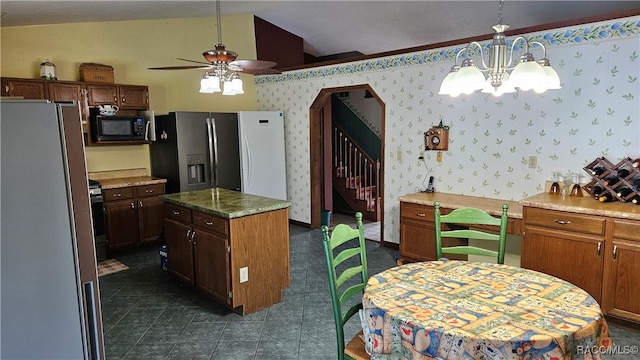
551,235
622,271
241,262
133,215
597,253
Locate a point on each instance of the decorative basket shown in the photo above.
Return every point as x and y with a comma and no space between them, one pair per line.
91,72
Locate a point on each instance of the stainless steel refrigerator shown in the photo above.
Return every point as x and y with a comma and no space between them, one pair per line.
243,151
50,305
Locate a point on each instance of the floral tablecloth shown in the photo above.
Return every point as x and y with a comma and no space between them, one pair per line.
466,310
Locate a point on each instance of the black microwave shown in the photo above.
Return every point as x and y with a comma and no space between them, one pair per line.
118,128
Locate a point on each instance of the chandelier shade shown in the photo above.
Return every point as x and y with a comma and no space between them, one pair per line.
504,75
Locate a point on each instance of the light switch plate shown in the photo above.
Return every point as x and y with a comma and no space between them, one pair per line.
244,274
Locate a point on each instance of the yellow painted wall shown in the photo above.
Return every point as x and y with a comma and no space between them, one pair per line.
131,47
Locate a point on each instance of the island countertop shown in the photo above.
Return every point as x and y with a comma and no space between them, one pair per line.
583,205
225,203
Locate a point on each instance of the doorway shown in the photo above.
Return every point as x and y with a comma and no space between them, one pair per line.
320,122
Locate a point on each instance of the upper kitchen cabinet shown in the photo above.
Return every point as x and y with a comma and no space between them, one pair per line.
25,88
124,96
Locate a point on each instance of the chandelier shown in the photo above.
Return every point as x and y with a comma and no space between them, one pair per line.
527,74
222,77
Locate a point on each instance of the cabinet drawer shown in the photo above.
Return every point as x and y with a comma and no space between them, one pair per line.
564,221
150,190
118,194
177,213
210,223
416,211
626,229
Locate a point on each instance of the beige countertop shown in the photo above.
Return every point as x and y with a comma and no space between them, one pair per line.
130,181
454,201
583,205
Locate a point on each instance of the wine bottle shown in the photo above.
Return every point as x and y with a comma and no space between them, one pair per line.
636,163
606,197
624,191
611,180
624,172
598,170
597,189
635,183
635,199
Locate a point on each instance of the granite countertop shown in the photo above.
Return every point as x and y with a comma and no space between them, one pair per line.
583,205
455,201
225,203
115,183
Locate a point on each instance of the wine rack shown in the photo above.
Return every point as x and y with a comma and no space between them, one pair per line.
602,170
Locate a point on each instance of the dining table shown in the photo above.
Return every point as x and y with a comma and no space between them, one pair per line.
450,309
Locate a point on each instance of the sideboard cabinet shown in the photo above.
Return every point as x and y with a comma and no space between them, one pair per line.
592,245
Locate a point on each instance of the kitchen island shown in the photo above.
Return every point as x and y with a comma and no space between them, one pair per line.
232,246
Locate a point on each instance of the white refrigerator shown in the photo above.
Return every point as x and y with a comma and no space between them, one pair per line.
243,151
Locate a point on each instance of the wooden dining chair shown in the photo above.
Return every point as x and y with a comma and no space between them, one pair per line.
467,217
346,259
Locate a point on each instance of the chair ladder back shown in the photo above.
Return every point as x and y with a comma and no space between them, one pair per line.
358,274
471,216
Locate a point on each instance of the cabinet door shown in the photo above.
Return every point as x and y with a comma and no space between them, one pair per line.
179,250
622,272
417,240
212,265
101,94
122,223
26,88
134,97
575,258
68,91
151,218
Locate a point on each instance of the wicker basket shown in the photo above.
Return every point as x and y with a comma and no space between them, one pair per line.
91,72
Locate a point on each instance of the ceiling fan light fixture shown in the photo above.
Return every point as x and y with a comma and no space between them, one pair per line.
527,74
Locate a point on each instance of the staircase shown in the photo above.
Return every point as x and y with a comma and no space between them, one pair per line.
356,176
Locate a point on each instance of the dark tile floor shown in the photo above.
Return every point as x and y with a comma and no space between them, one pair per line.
149,315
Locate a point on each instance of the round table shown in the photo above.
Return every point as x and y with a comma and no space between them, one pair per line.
469,310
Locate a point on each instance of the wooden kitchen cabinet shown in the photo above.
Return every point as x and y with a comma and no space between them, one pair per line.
417,232
622,271
25,88
69,91
124,96
240,261
550,235
133,215
133,97
99,94
198,250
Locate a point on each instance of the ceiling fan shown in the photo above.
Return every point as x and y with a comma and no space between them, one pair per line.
222,67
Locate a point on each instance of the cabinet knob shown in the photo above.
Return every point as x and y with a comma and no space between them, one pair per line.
175,212
599,247
209,222
421,214
615,252
562,222
140,203
188,235
133,205
117,195
149,191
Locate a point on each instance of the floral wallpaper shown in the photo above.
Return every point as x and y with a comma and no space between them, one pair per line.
596,113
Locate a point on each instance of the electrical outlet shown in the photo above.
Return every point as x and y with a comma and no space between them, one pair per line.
244,274
399,154
533,162
439,156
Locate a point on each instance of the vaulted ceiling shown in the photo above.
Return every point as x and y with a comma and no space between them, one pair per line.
331,27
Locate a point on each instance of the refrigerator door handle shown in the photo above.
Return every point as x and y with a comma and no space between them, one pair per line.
92,320
248,167
212,138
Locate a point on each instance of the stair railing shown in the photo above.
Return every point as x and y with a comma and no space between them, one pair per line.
353,163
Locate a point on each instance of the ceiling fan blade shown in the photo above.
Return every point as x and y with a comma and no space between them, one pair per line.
194,61
261,71
253,64
189,67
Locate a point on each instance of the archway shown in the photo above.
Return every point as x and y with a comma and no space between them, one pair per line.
320,150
